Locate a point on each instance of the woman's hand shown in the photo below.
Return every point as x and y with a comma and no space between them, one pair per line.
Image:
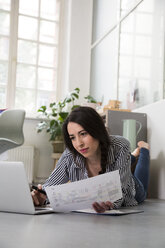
103,206
38,198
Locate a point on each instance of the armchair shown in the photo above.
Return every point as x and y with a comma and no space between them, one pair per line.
11,129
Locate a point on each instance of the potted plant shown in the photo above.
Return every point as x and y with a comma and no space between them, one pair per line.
91,102
90,99
54,117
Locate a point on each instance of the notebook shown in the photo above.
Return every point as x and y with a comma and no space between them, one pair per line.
15,196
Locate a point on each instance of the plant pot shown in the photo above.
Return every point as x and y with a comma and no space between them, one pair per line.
58,146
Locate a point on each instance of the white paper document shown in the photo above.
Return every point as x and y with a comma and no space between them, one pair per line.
123,211
81,194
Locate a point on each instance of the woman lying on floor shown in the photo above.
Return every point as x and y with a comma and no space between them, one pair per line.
90,151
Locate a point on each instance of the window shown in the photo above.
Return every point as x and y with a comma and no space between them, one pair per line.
29,32
128,52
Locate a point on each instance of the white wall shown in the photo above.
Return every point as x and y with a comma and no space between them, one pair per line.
75,40
156,138
43,163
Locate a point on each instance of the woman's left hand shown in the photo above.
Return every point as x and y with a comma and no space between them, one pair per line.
103,206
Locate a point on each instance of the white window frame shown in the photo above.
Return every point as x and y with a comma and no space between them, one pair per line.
12,59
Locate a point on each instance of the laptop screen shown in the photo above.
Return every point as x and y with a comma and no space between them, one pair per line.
14,188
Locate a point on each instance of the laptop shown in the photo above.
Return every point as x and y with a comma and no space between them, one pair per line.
15,196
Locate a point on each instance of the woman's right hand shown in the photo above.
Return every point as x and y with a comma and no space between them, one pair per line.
38,198
103,206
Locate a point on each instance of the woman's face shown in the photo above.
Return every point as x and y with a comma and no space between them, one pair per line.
82,141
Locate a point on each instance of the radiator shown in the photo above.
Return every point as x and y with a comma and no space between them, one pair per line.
24,154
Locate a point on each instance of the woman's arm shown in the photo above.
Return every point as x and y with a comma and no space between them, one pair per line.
123,163
58,176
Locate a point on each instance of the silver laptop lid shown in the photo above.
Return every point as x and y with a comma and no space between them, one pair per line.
14,188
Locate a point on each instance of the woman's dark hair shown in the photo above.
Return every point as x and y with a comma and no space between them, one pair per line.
93,123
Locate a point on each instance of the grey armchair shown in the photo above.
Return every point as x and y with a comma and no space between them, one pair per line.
11,129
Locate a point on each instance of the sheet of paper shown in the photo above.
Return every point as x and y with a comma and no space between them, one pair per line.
81,194
111,212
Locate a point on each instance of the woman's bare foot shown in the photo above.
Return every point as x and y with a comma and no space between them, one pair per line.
142,144
136,152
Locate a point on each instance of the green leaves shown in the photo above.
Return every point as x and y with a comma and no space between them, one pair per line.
55,130
90,99
56,115
72,96
42,125
42,109
63,116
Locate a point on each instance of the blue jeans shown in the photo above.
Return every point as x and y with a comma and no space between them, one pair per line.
141,174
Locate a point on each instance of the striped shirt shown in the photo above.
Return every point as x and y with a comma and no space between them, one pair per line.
119,158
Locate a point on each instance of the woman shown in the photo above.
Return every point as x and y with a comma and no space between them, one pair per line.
90,151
